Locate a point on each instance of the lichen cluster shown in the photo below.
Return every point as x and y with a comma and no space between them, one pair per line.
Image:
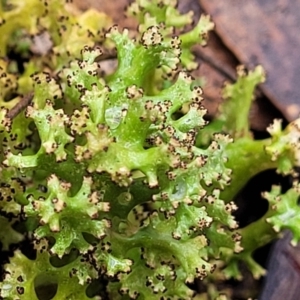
115,177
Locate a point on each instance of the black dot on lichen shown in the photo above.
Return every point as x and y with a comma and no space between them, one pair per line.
20,290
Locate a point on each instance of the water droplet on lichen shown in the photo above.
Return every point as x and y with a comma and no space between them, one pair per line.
179,191
114,116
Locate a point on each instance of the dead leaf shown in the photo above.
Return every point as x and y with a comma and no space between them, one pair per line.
264,32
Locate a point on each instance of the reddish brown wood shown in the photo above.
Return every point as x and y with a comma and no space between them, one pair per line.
264,32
